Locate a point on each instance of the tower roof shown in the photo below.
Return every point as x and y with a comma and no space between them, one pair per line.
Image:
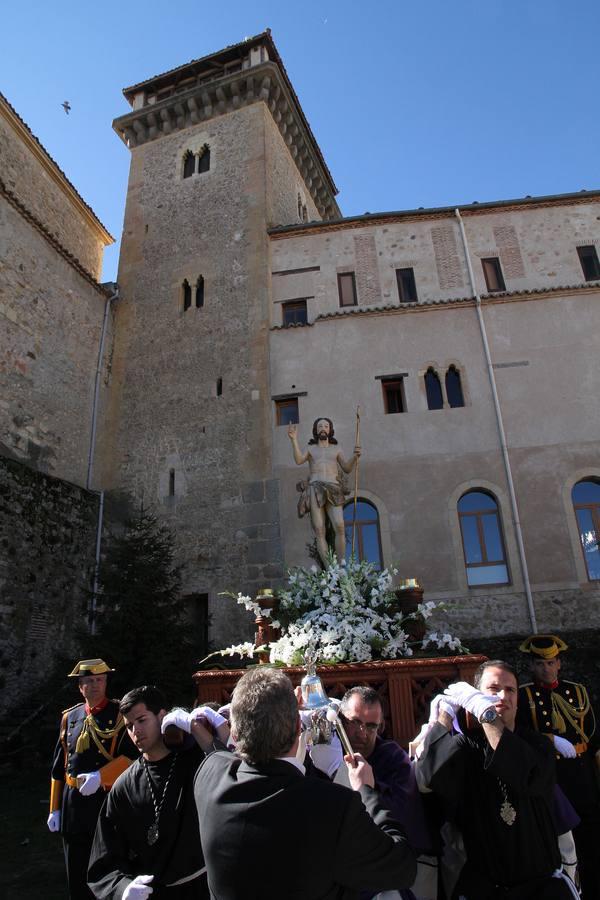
190,92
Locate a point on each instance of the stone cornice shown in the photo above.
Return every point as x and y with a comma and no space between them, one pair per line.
203,102
52,169
435,213
452,303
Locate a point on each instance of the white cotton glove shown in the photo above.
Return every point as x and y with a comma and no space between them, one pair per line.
416,746
93,781
206,712
564,747
441,703
178,717
327,757
139,889
54,821
470,698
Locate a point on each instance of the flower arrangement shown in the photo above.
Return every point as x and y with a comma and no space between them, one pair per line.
344,613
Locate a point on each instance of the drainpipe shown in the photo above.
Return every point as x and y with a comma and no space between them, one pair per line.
501,432
93,603
92,450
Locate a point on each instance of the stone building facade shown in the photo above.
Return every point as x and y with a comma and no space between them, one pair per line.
467,337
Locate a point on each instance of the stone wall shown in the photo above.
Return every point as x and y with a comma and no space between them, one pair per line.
39,185
191,407
51,317
47,547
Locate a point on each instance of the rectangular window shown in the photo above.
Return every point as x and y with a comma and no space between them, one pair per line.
347,289
287,411
407,289
493,274
393,396
588,257
294,312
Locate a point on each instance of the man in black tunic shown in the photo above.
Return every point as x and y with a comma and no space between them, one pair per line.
91,752
561,710
147,839
496,783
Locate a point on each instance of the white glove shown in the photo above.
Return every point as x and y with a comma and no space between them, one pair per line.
178,717
206,712
416,746
441,703
93,781
183,719
564,747
54,820
327,757
470,698
139,889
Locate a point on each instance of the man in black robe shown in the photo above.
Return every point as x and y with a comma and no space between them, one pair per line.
147,839
496,783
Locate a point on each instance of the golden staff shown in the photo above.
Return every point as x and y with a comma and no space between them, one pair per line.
356,444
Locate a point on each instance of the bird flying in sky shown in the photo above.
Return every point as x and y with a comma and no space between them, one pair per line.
66,106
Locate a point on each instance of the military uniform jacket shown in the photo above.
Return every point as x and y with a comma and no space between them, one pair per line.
566,711
106,746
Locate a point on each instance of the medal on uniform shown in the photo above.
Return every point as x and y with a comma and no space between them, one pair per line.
153,833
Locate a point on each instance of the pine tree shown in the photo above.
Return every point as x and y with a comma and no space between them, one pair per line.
140,624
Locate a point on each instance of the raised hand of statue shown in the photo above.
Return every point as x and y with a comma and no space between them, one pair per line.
357,451
292,431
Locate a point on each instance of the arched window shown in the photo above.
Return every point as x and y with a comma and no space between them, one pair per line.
187,295
367,540
189,164
586,503
200,292
454,387
204,160
433,389
483,544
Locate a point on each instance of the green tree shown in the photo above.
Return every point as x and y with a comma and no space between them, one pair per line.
141,627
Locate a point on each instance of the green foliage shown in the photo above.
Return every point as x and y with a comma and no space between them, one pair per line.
141,627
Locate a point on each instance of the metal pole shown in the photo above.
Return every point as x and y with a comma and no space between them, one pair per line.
501,431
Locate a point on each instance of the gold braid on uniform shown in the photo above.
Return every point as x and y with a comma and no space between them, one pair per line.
562,710
97,734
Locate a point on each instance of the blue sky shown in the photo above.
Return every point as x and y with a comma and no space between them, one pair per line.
426,103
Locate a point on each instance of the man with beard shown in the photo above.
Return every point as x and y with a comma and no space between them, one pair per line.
561,710
324,493
147,840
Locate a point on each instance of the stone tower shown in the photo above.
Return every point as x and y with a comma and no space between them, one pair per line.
220,152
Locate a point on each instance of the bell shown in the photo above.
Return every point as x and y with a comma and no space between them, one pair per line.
313,692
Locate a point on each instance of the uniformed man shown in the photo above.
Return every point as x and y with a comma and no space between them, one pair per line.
562,710
93,749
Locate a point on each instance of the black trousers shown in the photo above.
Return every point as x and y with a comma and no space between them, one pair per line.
77,848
